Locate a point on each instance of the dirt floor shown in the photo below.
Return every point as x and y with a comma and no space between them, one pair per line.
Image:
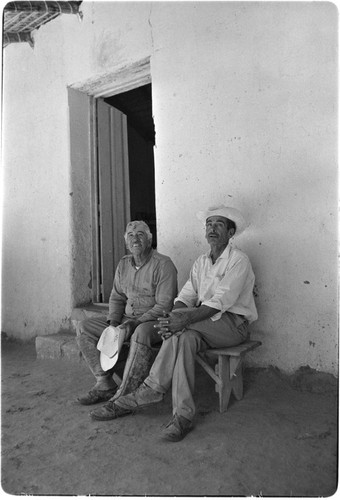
280,440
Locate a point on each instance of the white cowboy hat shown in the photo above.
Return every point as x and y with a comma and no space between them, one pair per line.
228,212
109,345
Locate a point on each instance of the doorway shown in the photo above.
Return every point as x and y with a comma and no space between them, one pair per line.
136,104
112,173
126,186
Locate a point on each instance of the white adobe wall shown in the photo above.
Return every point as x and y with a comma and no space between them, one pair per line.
252,101
37,244
244,105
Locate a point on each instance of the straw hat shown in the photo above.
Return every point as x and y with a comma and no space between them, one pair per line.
109,345
228,212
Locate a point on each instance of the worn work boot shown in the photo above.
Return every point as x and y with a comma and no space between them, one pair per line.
177,428
95,396
143,396
125,405
136,368
110,411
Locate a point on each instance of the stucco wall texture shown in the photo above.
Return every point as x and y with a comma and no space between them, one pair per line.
244,104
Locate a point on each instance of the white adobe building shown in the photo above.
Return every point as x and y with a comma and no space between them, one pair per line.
243,97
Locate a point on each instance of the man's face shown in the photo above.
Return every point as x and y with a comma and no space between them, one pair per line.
217,232
137,240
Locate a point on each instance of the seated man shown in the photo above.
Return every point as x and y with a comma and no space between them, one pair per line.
145,285
213,309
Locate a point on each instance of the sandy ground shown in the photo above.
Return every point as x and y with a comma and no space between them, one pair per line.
280,440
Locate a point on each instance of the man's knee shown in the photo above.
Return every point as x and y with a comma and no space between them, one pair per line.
82,326
90,328
81,330
82,333
190,338
144,333
85,327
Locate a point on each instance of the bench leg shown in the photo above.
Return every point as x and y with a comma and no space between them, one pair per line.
224,386
237,383
228,382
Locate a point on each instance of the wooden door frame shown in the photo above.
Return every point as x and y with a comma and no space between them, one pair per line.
114,190
117,80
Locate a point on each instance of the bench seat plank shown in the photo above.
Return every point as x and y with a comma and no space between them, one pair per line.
227,375
238,350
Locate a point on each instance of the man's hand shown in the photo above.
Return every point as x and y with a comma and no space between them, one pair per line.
129,326
179,319
173,323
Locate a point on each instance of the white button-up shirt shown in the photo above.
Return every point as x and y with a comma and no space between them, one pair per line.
226,285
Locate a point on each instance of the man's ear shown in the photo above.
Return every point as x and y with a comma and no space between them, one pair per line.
231,232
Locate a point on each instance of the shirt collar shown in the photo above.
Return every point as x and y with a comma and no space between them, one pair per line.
147,259
224,255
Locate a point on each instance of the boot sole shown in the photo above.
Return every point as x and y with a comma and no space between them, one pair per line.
96,401
175,438
111,417
139,407
93,402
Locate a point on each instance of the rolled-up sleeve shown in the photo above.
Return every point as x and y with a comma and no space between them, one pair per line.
166,291
230,287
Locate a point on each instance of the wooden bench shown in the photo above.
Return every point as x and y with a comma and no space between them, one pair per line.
228,369
227,372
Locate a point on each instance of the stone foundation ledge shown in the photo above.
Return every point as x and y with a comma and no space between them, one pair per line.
58,346
64,345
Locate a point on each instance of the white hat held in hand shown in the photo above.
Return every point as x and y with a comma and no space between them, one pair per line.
109,345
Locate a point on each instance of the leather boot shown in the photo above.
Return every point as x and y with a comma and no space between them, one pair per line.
125,405
137,367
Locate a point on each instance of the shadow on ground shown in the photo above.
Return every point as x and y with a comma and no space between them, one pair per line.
280,440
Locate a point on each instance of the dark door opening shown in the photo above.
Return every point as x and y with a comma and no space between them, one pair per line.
136,104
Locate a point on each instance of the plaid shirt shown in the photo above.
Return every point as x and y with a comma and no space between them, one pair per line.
143,293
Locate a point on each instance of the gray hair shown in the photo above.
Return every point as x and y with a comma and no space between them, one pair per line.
133,224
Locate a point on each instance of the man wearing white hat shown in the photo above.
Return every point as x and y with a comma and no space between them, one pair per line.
213,309
145,285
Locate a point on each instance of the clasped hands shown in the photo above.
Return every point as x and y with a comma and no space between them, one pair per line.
170,324
173,323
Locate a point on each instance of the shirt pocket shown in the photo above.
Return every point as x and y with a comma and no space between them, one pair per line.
144,303
147,287
209,287
219,276
147,292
